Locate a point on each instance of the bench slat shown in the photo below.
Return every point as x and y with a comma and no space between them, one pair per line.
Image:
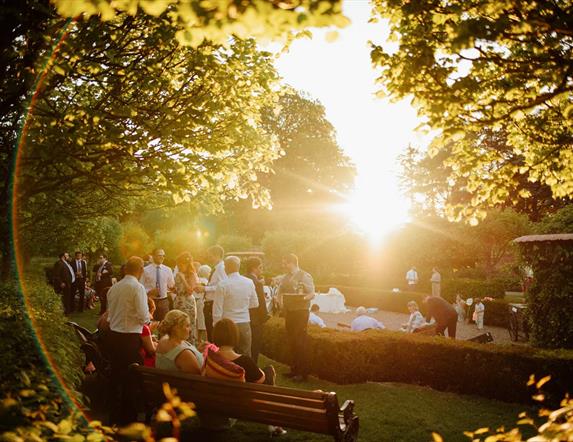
213,390
156,372
318,412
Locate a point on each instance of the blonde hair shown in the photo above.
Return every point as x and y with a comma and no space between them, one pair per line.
414,305
173,319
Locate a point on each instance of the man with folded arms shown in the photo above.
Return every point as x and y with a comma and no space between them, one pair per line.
128,313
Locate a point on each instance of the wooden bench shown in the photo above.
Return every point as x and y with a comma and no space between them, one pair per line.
317,412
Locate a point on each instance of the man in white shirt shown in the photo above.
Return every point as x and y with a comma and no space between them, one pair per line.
412,278
127,314
215,256
364,322
157,279
233,299
313,318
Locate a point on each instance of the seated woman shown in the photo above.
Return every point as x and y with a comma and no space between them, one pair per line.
416,319
173,351
226,337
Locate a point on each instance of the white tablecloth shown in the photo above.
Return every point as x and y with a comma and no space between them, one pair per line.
331,302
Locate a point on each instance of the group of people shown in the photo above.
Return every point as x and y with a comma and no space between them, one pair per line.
412,280
70,278
194,318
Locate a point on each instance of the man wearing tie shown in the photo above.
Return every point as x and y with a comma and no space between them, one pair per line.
157,279
215,256
103,274
65,279
79,286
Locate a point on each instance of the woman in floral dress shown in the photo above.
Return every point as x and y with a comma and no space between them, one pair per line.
185,282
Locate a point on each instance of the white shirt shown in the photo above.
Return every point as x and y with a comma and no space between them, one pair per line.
363,322
233,299
412,276
166,280
127,305
479,308
436,278
217,276
415,321
314,319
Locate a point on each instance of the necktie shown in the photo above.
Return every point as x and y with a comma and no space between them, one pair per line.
158,281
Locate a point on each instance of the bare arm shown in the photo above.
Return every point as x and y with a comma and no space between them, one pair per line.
148,344
187,362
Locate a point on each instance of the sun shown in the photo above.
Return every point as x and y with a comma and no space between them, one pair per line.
376,207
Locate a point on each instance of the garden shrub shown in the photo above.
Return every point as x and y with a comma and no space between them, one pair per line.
472,288
493,371
550,298
550,302
33,405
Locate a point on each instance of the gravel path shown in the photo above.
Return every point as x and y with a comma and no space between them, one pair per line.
393,321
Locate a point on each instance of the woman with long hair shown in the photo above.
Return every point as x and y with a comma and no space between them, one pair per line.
185,281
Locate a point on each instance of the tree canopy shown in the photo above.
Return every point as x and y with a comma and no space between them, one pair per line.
127,118
471,66
216,20
307,179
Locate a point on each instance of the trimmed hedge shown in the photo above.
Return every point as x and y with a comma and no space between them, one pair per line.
496,312
473,288
494,371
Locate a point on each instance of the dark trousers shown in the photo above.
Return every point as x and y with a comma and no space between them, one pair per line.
296,322
68,298
123,350
208,314
101,289
256,341
79,287
450,325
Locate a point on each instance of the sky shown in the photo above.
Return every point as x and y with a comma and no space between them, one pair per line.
372,131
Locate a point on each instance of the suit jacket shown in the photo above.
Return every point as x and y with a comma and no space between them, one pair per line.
259,315
105,277
83,268
63,274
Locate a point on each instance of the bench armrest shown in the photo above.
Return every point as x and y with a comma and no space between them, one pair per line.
347,410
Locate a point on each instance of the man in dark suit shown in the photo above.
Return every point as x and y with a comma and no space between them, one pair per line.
259,315
103,273
81,273
64,280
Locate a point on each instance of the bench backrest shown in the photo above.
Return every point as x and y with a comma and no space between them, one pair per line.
298,409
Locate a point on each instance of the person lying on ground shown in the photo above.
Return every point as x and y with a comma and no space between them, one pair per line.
364,322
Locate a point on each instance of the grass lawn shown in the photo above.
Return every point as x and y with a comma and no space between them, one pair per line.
388,412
